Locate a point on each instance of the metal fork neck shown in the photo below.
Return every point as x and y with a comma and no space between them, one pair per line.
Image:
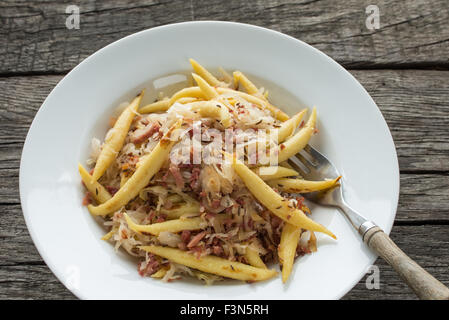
360,223
365,227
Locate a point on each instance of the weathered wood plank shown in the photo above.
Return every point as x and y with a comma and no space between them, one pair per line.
427,245
423,197
17,246
34,38
414,33
415,104
31,282
31,279
406,36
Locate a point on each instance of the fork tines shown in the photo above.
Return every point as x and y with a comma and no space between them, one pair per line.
304,161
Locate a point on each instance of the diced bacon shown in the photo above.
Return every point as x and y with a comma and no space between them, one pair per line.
165,176
197,251
87,199
196,239
217,250
176,173
194,178
228,223
152,215
168,204
215,203
250,223
210,215
186,166
139,269
240,201
152,266
300,202
111,190
140,135
133,160
161,218
112,121
185,236
275,222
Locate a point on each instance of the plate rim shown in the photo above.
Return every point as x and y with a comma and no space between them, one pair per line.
40,248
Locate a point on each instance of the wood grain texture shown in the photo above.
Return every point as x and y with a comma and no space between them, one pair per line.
31,282
34,38
426,244
417,116
416,108
338,28
419,280
30,278
415,103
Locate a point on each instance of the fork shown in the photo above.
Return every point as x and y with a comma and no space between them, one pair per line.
312,165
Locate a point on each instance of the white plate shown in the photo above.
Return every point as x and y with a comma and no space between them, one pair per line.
353,134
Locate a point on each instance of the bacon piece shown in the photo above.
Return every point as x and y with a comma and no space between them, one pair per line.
210,215
196,239
228,223
140,135
133,160
194,178
168,204
152,266
197,251
275,222
215,203
240,201
176,173
217,250
112,121
185,236
161,218
152,215
111,190
87,199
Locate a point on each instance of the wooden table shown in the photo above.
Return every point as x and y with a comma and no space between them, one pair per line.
404,65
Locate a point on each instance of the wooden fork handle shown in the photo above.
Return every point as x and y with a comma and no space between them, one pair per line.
419,280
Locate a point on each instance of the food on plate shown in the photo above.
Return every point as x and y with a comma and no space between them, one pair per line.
197,183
